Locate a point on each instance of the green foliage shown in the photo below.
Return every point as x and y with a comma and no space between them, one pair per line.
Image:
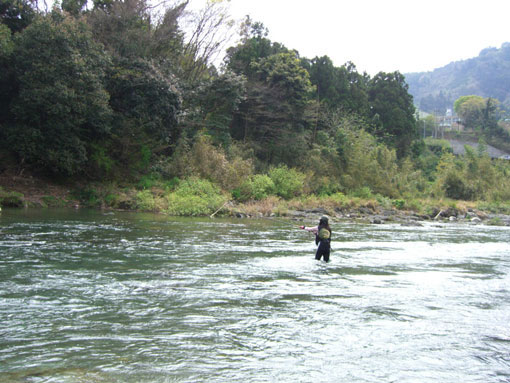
257,187
254,46
365,162
363,192
101,162
438,146
17,14
145,201
339,198
338,87
117,93
471,110
52,201
284,72
7,86
497,207
144,157
89,196
194,197
428,160
288,183
472,177
145,101
273,116
449,180
112,200
212,106
74,7
325,186
6,44
496,221
464,103
172,183
384,202
392,110
148,181
11,199
208,161
124,28
60,105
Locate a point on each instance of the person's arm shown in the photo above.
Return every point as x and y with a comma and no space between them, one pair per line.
314,229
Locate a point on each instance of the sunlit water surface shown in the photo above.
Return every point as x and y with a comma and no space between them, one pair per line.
87,296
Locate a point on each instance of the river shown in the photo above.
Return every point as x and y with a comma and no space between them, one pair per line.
89,296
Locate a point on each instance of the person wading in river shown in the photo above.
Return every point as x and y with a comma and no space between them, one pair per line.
322,238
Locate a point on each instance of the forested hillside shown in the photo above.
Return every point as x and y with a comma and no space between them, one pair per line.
116,94
487,75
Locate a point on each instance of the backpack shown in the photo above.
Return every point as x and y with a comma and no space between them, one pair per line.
324,233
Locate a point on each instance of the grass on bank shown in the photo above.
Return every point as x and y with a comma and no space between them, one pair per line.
197,197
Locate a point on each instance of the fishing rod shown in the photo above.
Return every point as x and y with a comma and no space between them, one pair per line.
284,221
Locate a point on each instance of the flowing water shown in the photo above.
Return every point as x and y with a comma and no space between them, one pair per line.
87,296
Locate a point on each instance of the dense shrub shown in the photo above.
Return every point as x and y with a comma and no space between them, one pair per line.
204,160
10,199
195,197
288,183
455,187
257,187
145,200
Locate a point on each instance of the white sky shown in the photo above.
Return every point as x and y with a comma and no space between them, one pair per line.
383,35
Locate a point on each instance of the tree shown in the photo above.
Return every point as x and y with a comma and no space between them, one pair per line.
61,106
124,27
272,116
167,37
283,72
74,7
490,121
429,126
211,30
6,74
17,14
392,110
146,104
211,105
338,87
470,110
480,114
254,46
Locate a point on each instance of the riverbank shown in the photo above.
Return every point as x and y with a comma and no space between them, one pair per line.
374,212
30,192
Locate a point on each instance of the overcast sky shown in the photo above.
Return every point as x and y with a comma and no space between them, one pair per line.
383,35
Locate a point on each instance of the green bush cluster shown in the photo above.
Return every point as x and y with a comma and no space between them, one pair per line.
257,187
280,181
11,199
145,200
472,177
195,197
89,197
287,182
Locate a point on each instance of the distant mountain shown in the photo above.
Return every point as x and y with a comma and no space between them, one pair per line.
487,75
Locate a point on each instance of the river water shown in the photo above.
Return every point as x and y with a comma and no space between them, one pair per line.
87,296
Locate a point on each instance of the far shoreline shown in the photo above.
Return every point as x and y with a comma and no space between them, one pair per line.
33,193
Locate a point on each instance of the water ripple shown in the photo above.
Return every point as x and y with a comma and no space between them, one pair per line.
87,297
